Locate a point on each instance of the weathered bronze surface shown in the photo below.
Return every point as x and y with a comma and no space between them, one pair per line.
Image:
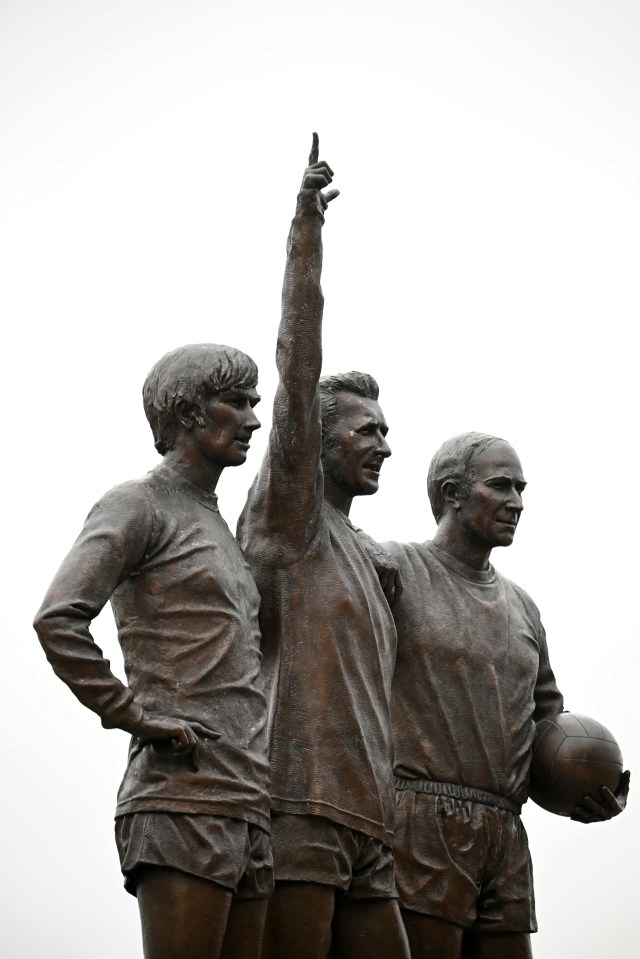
472,677
192,818
295,704
327,632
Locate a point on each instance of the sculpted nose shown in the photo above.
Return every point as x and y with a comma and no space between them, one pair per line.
515,503
253,423
383,447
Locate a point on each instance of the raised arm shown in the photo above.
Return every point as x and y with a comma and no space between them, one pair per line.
299,349
288,491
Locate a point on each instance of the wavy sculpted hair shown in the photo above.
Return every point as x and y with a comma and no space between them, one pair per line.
192,374
362,384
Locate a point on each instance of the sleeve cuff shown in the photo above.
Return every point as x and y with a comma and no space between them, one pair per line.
129,717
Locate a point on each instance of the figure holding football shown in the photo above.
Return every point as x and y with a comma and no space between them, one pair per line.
472,679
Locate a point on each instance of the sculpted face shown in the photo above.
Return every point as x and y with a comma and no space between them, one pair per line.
490,510
358,448
228,423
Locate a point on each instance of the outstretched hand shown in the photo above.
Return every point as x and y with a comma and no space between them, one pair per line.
318,175
182,733
389,576
385,566
610,805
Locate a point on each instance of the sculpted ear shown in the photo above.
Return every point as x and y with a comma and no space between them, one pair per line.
189,415
451,493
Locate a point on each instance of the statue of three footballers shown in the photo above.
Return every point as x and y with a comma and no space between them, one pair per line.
283,735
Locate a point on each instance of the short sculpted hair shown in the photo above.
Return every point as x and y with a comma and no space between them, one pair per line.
330,386
453,462
191,374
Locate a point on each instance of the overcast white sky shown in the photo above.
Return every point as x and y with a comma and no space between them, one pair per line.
481,262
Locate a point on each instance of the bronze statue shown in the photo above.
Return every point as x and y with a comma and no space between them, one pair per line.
328,637
472,676
192,818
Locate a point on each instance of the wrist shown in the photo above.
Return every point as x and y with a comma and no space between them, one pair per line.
131,719
307,204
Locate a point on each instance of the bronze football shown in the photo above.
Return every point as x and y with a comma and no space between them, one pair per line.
573,756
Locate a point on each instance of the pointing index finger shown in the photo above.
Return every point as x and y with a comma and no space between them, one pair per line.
315,149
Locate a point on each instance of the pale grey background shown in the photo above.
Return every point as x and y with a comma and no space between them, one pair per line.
481,262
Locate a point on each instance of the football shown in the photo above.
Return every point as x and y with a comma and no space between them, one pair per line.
573,756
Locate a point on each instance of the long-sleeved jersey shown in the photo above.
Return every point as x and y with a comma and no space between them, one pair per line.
186,608
472,674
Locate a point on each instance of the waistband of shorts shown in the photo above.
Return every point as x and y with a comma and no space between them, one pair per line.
457,792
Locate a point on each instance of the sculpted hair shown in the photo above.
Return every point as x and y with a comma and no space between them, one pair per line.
192,374
453,461
362,384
